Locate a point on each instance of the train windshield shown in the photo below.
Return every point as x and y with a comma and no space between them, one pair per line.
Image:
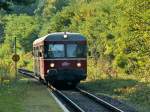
55,51
76,50
65,51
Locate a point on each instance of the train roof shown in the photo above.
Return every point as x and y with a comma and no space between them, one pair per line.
59,36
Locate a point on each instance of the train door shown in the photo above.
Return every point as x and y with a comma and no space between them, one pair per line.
38,61
35,50
41,61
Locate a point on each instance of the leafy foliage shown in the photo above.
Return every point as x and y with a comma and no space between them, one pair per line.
25,31
117,30
118,34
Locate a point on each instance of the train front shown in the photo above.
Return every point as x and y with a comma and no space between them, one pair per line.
66,61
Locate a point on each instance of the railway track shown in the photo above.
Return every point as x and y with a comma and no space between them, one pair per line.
82,101
27,73
78,100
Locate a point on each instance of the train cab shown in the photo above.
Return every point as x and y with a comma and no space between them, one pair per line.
61,58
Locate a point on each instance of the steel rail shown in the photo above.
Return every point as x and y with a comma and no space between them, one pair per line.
64,97
68,100
27,73
54,90
99,100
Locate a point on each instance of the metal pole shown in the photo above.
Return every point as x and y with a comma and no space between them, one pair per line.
15,61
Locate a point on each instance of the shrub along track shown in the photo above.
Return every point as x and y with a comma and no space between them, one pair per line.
78,100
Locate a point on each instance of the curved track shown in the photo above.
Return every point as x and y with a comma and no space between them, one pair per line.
78,100
83,101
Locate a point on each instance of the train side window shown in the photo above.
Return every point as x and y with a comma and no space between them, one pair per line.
41,51
36,52
33,51
39,54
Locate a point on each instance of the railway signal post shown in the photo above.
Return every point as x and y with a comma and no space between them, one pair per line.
15,58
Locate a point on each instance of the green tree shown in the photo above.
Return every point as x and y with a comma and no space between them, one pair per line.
24,28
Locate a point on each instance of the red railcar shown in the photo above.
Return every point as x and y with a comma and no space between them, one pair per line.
61,58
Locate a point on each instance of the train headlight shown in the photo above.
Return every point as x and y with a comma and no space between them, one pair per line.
52,65
78,64
65,36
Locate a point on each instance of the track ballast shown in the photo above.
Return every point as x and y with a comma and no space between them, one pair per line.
78,100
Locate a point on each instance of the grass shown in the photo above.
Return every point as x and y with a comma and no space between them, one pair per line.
126,88
11,97
26,96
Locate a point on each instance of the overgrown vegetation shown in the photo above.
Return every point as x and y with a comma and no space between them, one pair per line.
128,89
117,32
23,96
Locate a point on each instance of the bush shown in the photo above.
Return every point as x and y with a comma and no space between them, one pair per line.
121,61
6,71
23,2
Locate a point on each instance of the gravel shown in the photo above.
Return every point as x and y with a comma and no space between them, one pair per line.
84,102
121,105
117,103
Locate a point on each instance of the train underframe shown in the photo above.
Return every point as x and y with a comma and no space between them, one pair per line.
65,77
